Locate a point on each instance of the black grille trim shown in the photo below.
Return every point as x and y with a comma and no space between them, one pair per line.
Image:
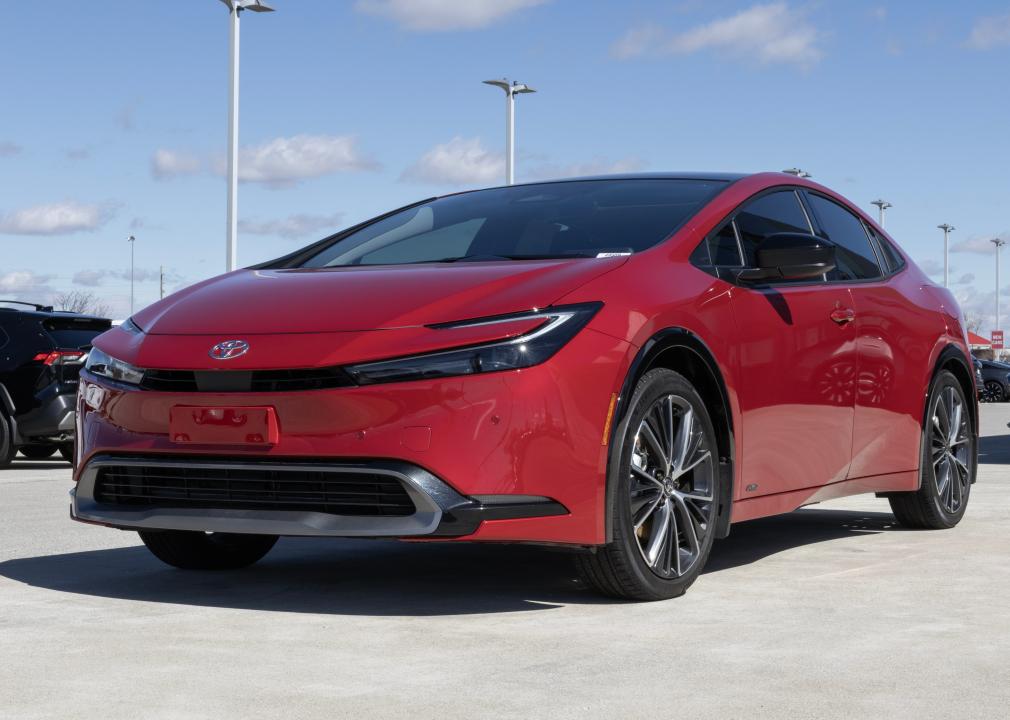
357,491
192,381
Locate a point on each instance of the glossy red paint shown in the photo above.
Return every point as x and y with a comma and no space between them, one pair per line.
819,408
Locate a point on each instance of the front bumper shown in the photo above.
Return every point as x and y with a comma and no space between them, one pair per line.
438,509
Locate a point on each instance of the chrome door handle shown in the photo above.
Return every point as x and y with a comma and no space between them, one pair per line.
843,315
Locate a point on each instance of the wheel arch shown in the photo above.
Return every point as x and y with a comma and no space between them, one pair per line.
681,350
6,402
952,359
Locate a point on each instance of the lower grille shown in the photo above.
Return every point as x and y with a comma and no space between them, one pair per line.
304,488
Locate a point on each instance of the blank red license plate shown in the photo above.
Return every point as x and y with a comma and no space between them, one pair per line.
223,425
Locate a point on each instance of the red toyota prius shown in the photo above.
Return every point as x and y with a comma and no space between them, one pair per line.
628,365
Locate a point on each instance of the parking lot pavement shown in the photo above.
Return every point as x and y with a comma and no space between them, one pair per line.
831,611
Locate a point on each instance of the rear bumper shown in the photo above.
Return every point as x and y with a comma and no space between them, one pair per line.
439,511
53,420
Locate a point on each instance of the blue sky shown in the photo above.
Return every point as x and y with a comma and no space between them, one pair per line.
114,118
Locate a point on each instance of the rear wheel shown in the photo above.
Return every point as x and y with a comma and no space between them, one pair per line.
207,551
995,391
947,464
7,449
664,510
37,452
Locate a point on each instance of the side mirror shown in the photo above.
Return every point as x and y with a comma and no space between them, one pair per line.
790,256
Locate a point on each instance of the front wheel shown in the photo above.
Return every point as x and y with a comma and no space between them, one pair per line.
7,449
206,551
664,510
947,465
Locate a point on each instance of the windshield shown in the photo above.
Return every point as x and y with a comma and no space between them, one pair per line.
585,218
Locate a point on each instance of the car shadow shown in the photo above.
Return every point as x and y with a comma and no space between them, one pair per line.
386,578
23,464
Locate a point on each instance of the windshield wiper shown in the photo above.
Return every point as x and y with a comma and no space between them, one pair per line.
492,257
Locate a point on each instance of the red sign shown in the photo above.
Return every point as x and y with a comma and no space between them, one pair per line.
997,339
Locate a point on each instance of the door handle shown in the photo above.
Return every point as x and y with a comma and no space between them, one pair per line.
843,315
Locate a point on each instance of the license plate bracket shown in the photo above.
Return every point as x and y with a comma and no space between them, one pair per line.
201,425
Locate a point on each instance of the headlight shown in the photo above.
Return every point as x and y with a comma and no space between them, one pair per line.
560,324
109,367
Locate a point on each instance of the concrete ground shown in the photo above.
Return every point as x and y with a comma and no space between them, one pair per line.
831,611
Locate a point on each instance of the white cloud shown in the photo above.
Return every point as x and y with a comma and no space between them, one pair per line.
442,15
966,279
597,166
284,161
94,278
769,33
61,218
989,32
978,244
930,266
25,283
461,161
167,164
9,149
292,227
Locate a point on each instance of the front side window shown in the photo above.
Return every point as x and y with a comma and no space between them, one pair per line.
777,212
854,257
565,219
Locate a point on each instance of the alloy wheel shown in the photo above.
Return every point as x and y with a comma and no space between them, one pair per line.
995,391
950,442
672,487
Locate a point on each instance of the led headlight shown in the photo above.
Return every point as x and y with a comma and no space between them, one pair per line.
558,326
106,366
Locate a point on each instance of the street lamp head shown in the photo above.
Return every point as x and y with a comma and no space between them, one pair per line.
882,204
254,5
131,239
946,227
998,243
797,172
503,84
518,88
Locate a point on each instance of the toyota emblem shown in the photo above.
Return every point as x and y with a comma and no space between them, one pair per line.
229,349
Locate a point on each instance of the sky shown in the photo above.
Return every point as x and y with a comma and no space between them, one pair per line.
113,119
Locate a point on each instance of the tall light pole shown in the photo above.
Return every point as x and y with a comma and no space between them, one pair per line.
511,90
131,240
947,230
999,246
235,8
882,205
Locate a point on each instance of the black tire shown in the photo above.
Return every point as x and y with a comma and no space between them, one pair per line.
206,551
995,391
938,505
37,452
67,452
622,568
7,449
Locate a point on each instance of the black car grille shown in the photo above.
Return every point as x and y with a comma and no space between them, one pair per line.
306,488
240,381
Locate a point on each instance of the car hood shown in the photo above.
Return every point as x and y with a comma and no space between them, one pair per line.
347,299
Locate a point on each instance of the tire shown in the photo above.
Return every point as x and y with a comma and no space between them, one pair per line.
207,551
995,391
7,449
37,452
67,452
653,497
947,464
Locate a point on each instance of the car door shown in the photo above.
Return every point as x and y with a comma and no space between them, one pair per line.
797,364
896,325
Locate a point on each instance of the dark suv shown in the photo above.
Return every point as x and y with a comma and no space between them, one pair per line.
41,354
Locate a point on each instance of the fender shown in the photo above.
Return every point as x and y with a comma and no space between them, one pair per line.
663,341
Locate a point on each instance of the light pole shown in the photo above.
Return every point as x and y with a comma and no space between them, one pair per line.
511,90
797,172
999,245
235,8
131,240
947,229
882,205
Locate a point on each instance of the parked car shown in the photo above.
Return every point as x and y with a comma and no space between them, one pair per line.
625,365
996,380
41,354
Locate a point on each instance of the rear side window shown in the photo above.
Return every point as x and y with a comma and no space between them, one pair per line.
854,255
776,212
74,332
724,248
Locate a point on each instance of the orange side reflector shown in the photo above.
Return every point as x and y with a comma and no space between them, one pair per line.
610,418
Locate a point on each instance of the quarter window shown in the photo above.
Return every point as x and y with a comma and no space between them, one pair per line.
889,255
854,255
724,248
